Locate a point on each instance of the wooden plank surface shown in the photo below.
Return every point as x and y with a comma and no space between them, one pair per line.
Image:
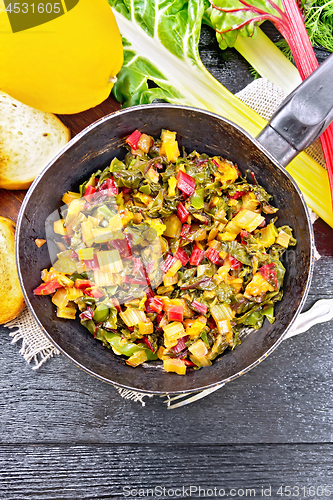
167,470
286,399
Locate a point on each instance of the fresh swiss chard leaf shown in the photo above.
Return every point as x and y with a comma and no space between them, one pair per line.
231,18
162,62
133,82
161,59
174,26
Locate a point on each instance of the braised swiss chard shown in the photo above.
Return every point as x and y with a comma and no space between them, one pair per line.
168,255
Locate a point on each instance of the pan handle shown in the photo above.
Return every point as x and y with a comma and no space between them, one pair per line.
302,116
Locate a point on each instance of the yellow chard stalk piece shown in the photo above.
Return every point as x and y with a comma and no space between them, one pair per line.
181,78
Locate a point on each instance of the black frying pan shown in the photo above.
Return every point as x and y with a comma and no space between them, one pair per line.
297,124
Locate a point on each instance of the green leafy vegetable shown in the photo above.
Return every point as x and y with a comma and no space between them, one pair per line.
162,62
318,18
233,17
224,292
238,251
162,59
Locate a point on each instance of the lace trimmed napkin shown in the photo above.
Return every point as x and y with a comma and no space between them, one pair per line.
263,97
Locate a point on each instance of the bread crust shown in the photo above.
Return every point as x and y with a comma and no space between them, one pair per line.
29,140
11,297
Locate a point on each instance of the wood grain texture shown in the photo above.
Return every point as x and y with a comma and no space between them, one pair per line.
76,123
105,472
227,66
10,202
286,399
322,279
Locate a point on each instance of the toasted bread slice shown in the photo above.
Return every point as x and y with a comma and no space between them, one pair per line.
11,298
29,139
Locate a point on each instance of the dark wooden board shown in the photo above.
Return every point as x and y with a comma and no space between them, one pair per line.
76,123
287,399
10,202
167,470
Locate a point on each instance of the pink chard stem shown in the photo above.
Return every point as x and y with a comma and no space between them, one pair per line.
293,30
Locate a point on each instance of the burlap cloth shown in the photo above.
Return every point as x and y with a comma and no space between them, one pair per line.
263,97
